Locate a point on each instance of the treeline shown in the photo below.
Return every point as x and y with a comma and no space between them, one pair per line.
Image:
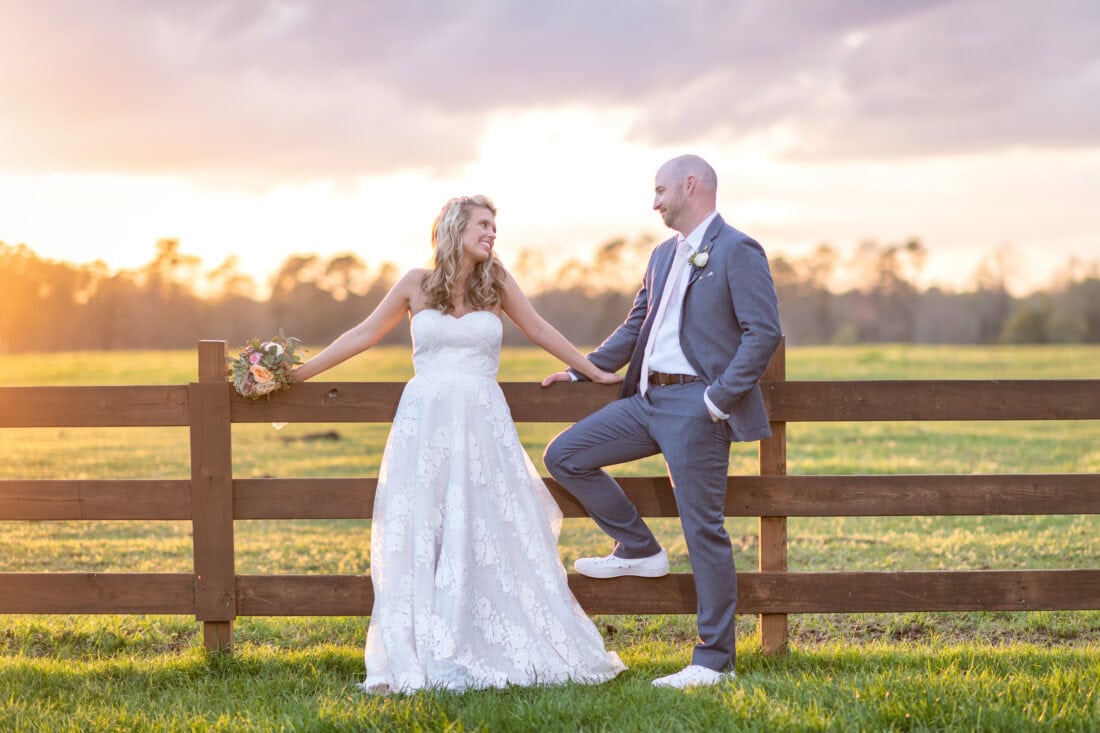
172,301
885,305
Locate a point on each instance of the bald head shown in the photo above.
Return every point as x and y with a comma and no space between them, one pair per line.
692,165
686,192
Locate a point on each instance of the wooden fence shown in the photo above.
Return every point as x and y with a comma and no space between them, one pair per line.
213,500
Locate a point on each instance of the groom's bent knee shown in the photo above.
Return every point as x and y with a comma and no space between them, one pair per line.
561,456
555,458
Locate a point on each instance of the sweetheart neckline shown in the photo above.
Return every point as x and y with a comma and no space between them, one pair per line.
454,318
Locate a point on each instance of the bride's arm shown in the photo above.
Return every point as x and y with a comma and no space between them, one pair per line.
365,335
519,309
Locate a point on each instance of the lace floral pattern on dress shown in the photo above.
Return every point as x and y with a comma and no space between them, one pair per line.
469,589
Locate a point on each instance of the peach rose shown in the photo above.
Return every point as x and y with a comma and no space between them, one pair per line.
261,374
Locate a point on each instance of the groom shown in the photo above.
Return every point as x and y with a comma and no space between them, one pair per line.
697,339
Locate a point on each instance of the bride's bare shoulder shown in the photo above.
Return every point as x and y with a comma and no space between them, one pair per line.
413,279
416,274
411,286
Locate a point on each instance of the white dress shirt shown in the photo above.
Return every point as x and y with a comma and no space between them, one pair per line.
667,356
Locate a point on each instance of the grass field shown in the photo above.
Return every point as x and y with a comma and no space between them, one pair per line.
992,671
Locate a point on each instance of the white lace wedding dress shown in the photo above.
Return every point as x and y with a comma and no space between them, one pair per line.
469,590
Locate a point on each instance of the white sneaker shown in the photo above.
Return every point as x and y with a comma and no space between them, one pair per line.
693,675
653,566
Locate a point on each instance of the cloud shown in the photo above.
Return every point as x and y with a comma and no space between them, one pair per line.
214,90
295,91
926,78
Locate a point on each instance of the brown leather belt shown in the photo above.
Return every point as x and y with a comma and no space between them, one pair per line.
665,379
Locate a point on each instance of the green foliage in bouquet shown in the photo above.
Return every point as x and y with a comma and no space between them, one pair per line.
263,367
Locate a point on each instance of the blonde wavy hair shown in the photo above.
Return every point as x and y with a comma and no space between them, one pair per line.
485,285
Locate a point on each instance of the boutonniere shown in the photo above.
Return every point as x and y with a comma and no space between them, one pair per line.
699,259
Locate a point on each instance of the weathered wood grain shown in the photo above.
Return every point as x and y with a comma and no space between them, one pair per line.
93,407
810,401
747,496
212,491
979,590
377,402
772,458
944,399
213,500
304,498
913,495
759,593
807,401
50,499
322,402
172,593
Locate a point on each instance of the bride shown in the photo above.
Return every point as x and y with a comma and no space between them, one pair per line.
469,590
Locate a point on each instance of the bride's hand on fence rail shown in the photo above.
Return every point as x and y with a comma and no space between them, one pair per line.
602,378
557,377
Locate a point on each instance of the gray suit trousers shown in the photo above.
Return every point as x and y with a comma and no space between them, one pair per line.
672,420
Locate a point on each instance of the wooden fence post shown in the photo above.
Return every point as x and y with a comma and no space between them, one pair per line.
212,498
773,530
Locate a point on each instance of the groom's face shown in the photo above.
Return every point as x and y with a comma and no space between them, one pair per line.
668,198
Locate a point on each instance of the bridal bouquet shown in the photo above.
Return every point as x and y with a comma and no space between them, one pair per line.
263,367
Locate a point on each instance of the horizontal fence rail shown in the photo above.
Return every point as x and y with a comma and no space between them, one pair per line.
93,407
894,495
213,500
758,592
335,402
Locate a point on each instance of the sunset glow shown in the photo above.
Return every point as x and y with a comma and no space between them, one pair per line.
263,130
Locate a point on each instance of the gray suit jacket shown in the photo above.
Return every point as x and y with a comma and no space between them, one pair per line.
729,326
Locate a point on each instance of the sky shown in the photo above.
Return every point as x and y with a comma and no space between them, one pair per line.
263,129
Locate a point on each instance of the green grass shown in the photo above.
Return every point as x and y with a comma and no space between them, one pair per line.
907,671
836,685
800,692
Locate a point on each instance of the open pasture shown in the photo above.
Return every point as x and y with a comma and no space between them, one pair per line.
871,671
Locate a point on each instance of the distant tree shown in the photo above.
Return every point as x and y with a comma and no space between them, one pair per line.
806,302
531,270
170,302
39,301
887,309
297,302
1083,300
226,281
1030,322
345,275
993,303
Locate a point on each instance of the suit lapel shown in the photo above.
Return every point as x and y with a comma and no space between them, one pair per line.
709,241
660,276
709,238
